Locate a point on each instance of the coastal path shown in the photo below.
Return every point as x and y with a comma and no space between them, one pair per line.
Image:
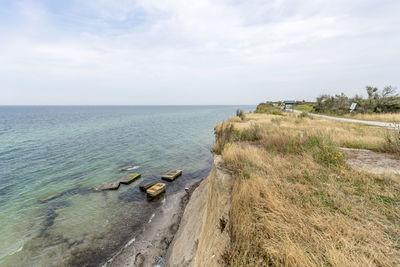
374,123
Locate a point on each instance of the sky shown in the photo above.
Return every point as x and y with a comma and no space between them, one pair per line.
194,52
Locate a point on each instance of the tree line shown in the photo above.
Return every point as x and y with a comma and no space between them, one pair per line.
378,101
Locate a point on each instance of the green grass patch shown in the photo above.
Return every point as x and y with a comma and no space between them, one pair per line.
305,108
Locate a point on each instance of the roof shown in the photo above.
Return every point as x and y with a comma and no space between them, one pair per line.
289,102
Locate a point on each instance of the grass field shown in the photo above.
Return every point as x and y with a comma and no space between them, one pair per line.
305,107
295,202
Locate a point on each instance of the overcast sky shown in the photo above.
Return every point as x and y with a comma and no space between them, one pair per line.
194,52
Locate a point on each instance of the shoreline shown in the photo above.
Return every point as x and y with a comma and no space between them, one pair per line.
78,227
203,237
150,244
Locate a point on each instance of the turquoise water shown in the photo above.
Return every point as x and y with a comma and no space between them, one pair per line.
69,150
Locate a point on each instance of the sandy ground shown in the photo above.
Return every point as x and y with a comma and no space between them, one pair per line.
370,161
367,160
148,248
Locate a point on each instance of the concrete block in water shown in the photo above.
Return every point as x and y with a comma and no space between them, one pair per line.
156,189
129,179
108,186
146,186
172,175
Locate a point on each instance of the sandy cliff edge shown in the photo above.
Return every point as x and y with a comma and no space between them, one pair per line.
203,234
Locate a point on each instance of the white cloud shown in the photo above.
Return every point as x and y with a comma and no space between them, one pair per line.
196,52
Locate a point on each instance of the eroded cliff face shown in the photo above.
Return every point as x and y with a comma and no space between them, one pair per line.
203,234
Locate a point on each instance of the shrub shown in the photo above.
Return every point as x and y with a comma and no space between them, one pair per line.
224,133
253,133
240,114
329,155
385,101
305,114
392,141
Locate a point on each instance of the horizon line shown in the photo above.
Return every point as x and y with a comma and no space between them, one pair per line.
118,105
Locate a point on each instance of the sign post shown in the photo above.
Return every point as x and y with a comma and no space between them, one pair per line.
353,106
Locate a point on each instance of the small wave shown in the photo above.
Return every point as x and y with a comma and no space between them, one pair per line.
151,218
16,251
133,168
130,242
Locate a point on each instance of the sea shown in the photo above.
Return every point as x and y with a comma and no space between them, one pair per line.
51,158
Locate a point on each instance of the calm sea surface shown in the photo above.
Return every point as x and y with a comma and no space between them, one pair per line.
67,151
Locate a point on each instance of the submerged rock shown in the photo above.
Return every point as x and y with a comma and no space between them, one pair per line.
50,215
50,197
108,186
69,192
172,175
129,179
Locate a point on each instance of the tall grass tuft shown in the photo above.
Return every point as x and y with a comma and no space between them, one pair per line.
240,114
392,141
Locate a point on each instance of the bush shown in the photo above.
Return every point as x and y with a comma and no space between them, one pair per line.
385,101
240,114
305,114
253,133
226,133
329,155
392,141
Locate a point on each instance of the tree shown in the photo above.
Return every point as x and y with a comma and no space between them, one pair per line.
385,101
389,91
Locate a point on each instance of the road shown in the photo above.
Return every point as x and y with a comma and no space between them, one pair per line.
374,123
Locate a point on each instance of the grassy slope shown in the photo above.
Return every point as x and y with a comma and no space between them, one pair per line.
296,203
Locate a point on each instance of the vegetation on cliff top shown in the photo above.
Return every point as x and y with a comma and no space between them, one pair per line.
296,203
379,105
378,102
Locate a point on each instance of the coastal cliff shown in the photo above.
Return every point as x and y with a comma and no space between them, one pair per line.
203,235
283,192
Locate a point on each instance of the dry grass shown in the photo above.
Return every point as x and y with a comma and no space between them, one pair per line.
385,117
345,134
295,203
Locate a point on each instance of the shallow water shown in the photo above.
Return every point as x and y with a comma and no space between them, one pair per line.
69,150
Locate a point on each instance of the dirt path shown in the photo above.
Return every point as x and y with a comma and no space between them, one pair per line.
362,159
374,123
368,160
